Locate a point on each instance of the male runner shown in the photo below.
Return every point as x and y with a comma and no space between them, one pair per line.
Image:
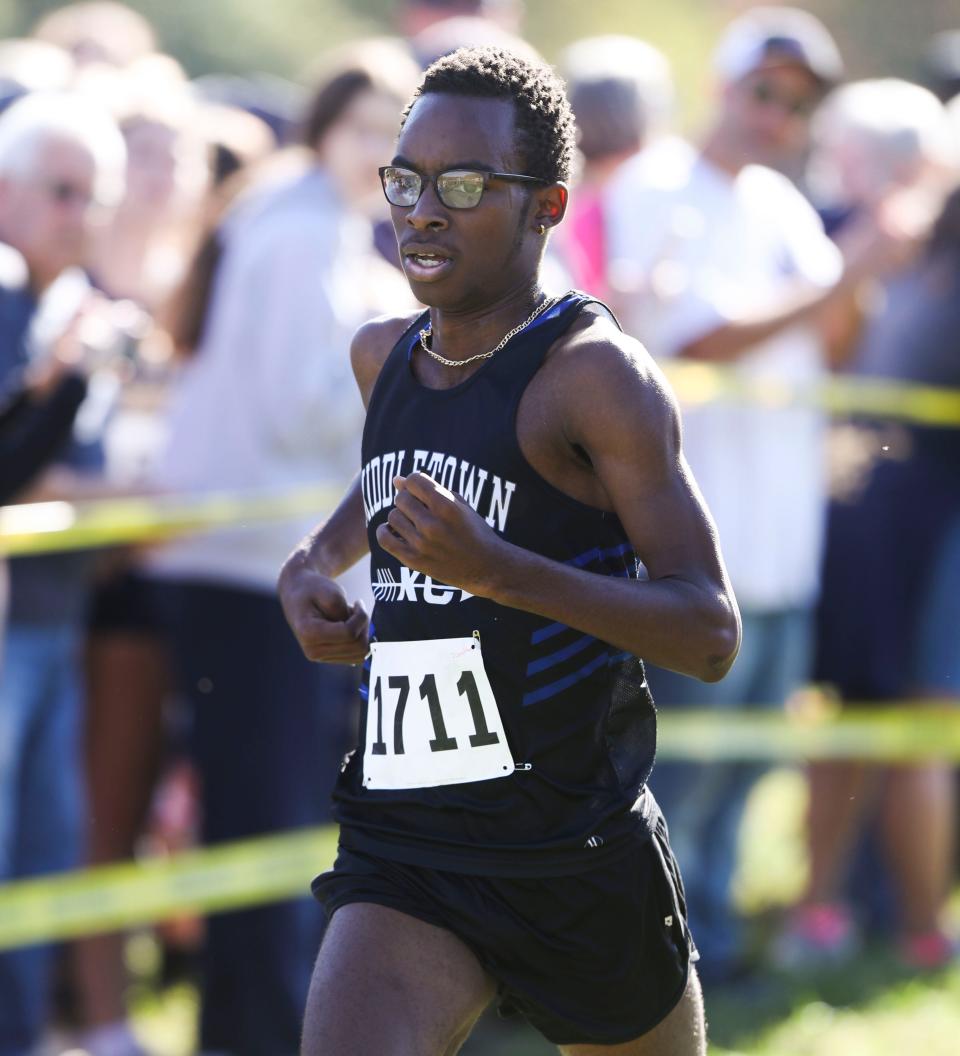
533,529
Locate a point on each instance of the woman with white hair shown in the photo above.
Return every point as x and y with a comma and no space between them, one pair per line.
875,137
61,164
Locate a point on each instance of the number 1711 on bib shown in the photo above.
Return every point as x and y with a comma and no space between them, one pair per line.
432,718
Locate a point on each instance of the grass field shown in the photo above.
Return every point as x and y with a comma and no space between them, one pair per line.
870,1007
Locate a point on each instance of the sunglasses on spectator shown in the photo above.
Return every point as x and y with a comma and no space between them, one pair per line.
456,188
766,94
65,193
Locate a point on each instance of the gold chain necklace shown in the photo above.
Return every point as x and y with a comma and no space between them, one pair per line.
427,332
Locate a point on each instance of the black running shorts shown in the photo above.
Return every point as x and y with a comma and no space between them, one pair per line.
600,957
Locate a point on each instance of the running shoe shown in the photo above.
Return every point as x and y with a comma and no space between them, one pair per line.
928,951
815,936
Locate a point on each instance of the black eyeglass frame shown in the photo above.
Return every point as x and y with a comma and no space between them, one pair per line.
435,180
63,192
762,92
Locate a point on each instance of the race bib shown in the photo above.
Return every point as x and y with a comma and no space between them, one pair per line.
432,718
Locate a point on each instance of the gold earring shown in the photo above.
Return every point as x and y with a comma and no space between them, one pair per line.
541,229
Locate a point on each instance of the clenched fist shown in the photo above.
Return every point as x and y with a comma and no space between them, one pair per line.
327,628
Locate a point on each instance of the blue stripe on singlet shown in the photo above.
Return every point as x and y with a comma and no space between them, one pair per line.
599,555
548,632
365,690
552,629
565,683
575,647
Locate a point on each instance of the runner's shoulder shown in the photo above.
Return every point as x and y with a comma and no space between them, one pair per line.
596,364
373,342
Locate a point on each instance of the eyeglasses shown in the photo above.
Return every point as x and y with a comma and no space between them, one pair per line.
764,93
456,189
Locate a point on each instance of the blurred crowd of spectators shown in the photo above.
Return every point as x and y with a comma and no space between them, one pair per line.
182,264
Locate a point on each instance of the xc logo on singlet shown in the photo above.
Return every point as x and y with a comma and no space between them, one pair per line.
414,586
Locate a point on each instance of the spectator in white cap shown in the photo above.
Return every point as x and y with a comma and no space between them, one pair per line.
777,36
717,257
774,66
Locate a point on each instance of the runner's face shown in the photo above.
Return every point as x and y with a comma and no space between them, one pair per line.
484,251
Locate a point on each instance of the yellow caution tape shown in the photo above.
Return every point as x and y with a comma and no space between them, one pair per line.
42,527
107,898
866,732
48,526
874,398
700,383
270,868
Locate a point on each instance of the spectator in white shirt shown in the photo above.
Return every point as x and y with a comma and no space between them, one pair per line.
716,256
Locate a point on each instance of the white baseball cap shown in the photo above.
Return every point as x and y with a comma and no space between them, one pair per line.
766,36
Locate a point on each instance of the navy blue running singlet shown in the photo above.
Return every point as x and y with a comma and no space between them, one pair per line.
573,744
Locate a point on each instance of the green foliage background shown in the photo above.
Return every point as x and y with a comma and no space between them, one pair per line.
286,36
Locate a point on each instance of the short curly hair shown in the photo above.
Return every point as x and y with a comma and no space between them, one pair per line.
546,130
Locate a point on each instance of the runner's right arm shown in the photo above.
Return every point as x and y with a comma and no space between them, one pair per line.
326,625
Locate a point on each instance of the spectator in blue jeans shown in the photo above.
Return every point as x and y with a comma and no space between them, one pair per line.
60,158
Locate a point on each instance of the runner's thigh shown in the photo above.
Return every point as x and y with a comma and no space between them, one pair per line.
682,1033
390,984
